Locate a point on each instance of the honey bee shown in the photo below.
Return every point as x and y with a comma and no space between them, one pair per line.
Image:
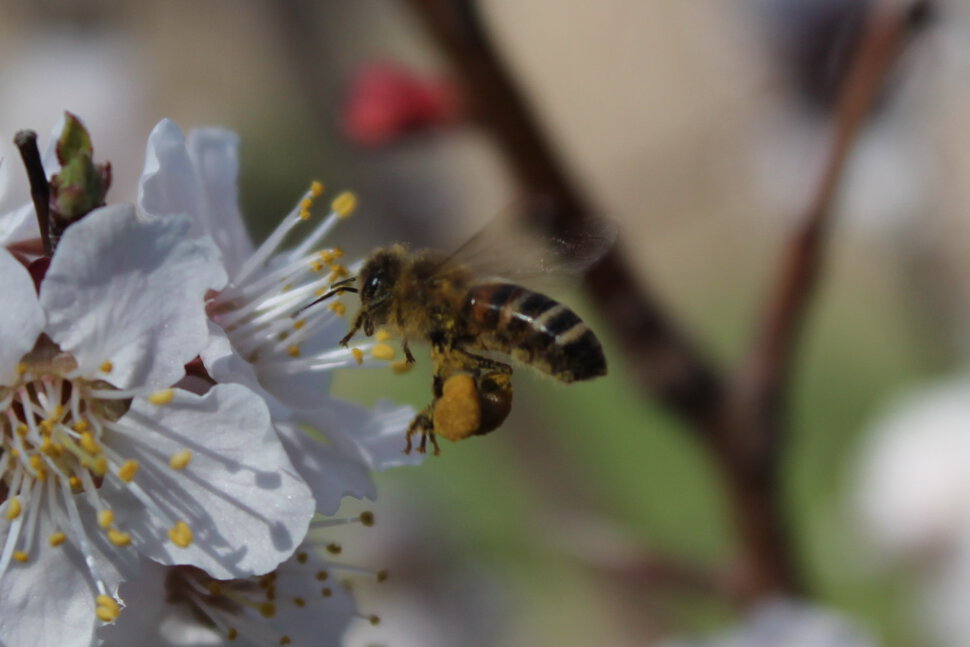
432,297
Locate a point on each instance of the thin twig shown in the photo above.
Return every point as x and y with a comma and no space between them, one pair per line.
26,143
751,437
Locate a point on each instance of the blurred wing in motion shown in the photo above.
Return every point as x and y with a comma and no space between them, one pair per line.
510,246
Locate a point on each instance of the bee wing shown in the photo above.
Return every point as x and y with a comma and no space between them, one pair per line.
514,246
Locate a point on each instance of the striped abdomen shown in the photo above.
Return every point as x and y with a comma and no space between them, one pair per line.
533,329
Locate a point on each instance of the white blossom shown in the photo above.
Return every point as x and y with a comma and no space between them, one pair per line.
102,459
254,338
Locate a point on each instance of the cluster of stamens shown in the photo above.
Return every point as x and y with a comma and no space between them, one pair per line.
258,309
241,607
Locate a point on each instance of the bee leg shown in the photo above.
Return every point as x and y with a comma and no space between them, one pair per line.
408,357
423,425
486,363
359,320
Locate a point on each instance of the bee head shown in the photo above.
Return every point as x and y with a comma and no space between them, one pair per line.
378,278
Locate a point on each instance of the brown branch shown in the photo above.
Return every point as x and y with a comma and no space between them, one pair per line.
663,360
750,437
743,420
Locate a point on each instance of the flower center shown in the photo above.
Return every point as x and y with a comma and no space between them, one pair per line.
51,425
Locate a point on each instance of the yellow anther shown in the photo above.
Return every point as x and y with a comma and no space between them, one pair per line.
401,367
299,323
293,350
180,534
339,308
128,470
358,355
382,335
302,557
21,368
162,397
180,460
13,509
56,539
47,426
22,429
106,366
267,609
322,575
58,413
382,575
367,518
285,640
321,291
74,482
36,463
89,444
287,287
106,517
81,425
20,556
300,602
99,466
304,214
337,252
107,608
232,634
344,204
47,445
119,538
305,204
316,188
327,256
317,266
334,548
15,453
339,271
374,619
382,351
326,592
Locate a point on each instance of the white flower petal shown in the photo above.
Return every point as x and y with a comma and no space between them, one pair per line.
331,472
378,434
131,292
215,153
149,618
168,183
18,225
21,318
49,600
246,506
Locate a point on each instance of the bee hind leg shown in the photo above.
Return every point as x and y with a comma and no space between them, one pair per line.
422,425
478,362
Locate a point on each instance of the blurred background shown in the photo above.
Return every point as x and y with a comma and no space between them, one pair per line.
593,516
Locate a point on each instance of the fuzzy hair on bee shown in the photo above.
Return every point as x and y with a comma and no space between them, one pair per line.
428,296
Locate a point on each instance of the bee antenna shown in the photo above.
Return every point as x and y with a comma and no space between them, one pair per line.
337,288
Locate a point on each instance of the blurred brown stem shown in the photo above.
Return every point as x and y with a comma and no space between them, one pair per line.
741,416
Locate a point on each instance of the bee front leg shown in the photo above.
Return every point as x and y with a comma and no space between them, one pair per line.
359,320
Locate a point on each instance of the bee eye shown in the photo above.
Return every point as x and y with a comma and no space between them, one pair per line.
373,286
